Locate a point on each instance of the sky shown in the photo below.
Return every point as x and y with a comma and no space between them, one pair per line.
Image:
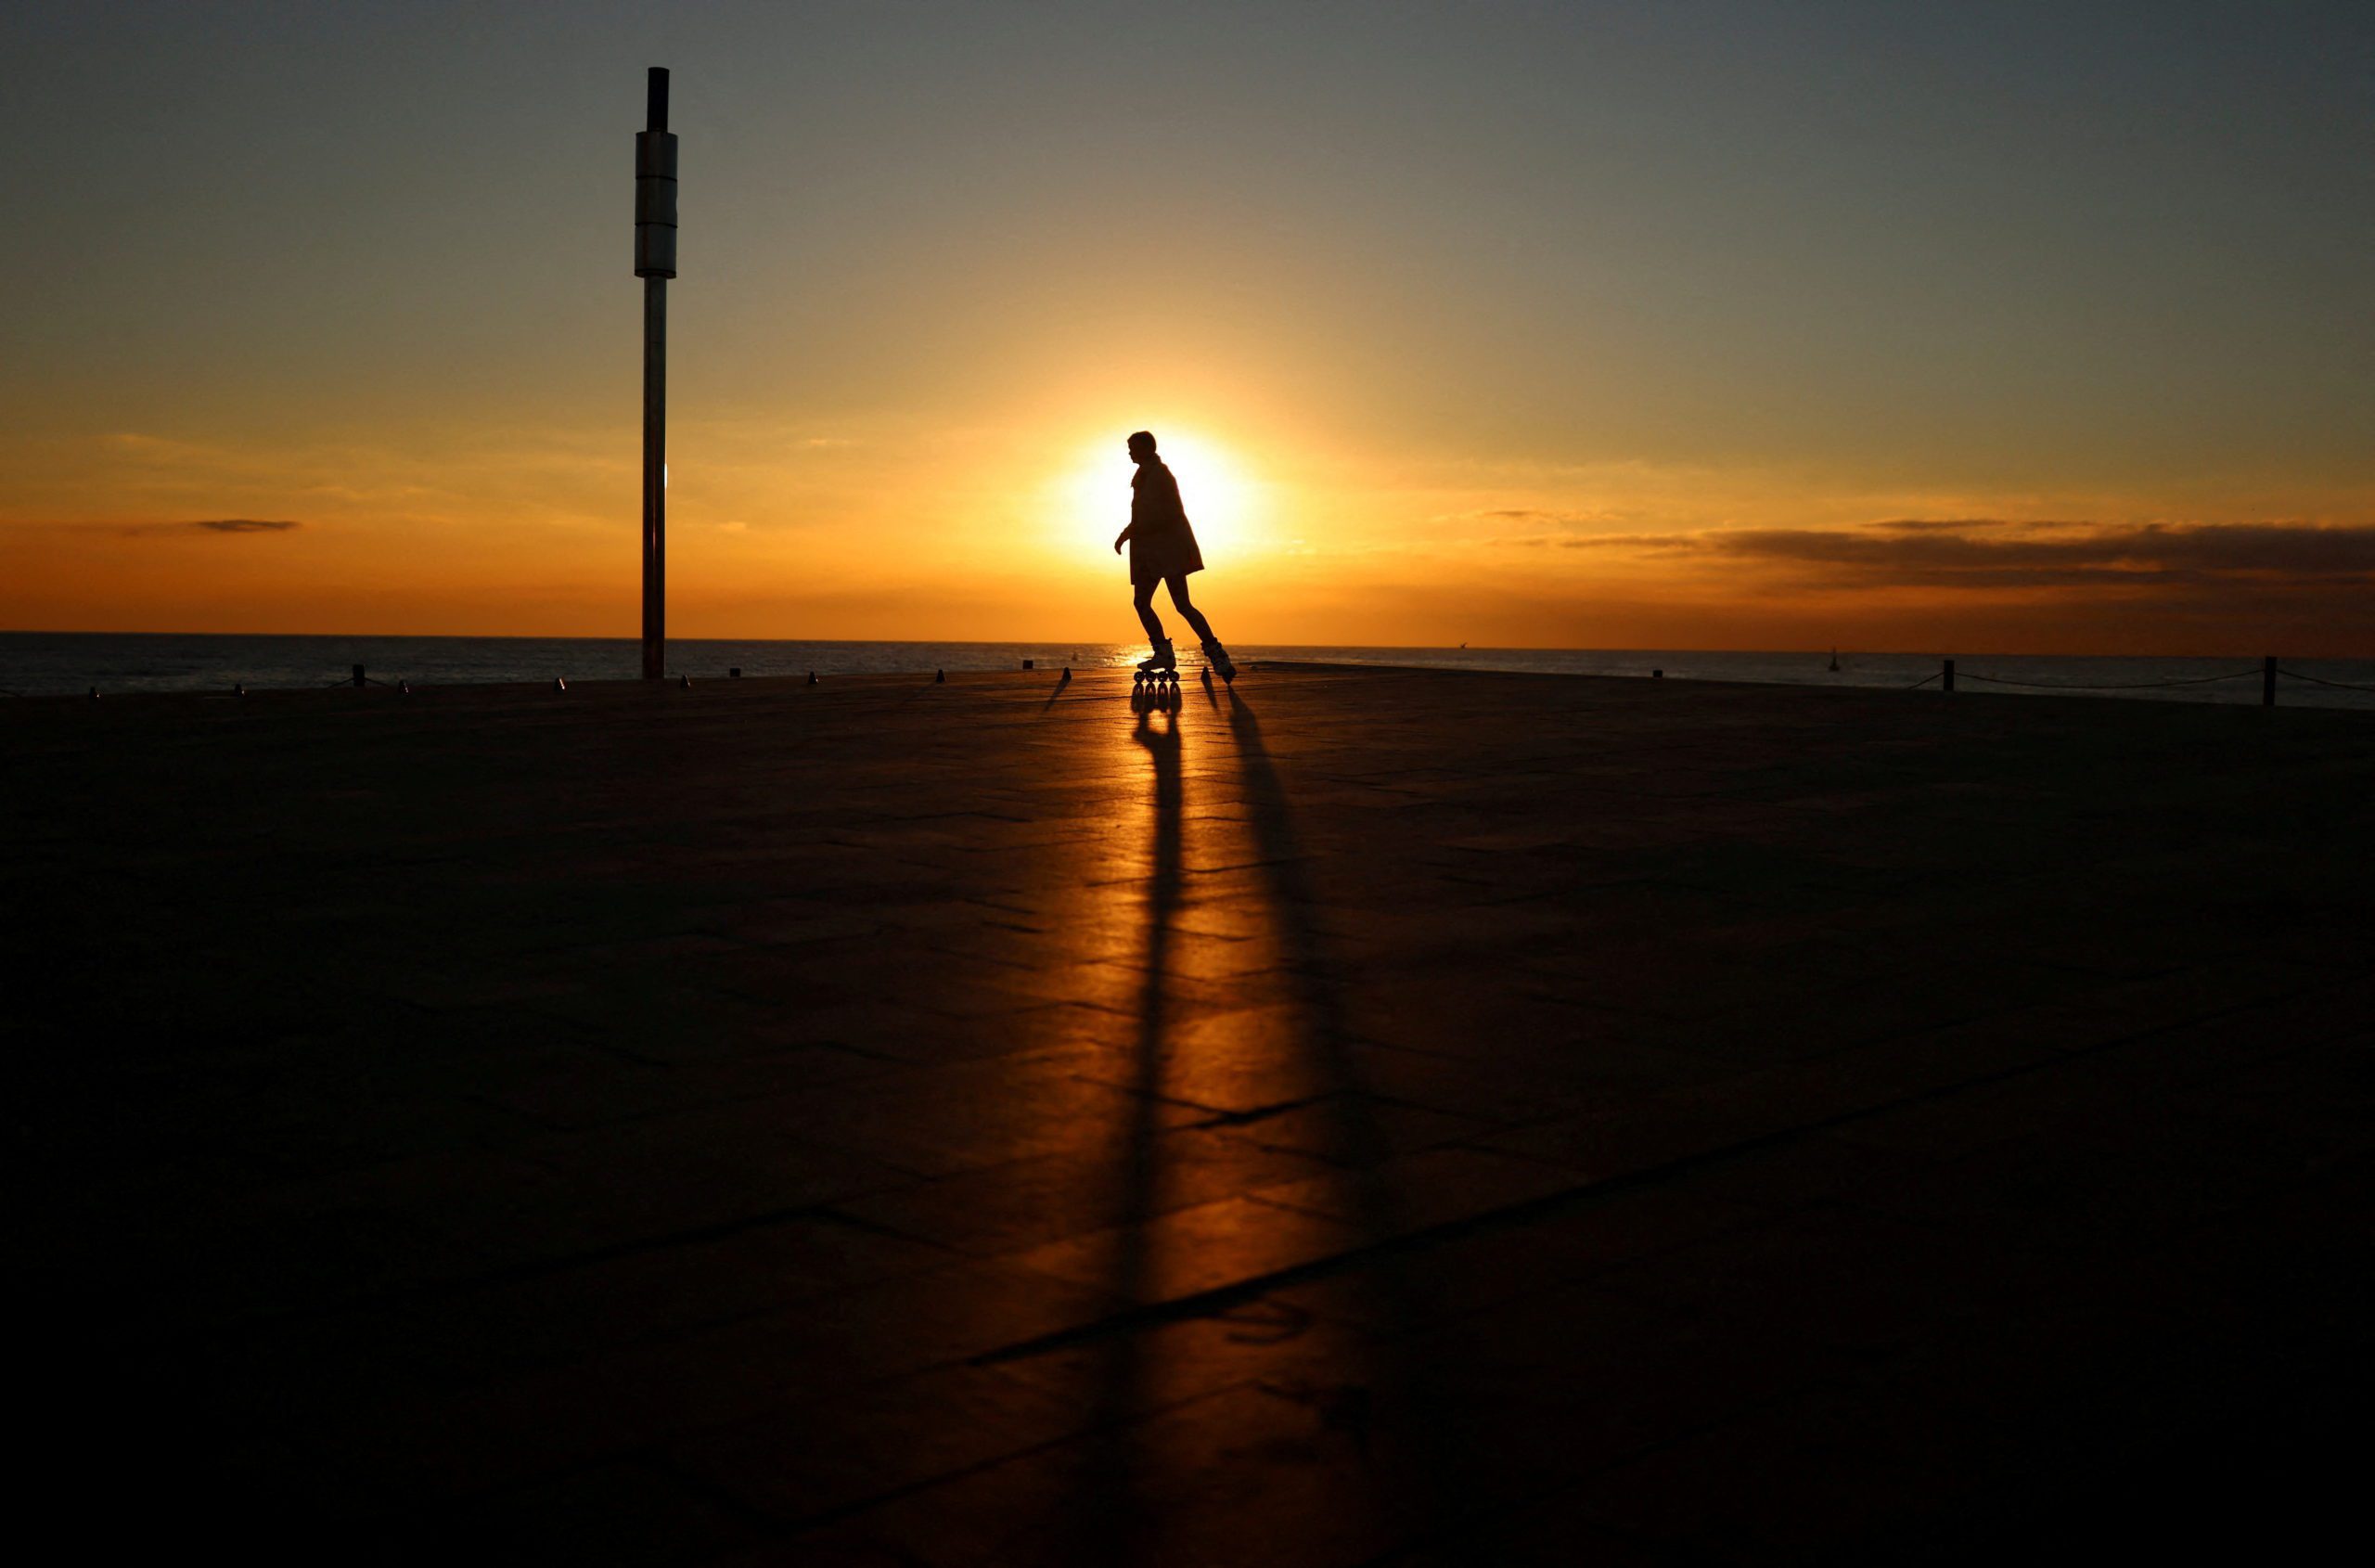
1996,328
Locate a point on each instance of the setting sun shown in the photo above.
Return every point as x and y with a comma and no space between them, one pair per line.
1225,503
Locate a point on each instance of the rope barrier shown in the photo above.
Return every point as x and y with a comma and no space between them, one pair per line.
1925,680
2108,686
2320,681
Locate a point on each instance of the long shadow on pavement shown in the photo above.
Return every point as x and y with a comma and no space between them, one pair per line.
1406,1406
1111,1519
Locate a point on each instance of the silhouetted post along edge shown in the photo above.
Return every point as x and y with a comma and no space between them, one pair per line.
2268,681
1946,676
655,262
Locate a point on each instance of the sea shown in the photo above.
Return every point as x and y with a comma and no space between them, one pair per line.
72,663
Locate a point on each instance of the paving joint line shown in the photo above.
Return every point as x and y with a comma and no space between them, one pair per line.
1425,1239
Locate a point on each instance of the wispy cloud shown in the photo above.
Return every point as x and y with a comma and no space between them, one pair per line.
1985,553
1959,525
1538,517
212,525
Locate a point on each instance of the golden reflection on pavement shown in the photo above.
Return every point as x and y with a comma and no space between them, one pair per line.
1235,1015
1114,1511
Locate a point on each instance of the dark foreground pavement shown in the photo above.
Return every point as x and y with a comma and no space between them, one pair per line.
1390,1117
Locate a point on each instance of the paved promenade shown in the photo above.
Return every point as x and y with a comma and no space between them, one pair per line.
1385,1117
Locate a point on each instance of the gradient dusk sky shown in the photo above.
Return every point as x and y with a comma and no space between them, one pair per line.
2016,328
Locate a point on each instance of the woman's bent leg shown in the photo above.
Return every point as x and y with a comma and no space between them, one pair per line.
1142,600
1178,584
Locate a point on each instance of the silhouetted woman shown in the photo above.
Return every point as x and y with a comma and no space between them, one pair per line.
1163,550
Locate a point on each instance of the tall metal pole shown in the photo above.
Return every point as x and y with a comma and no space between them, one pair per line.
655,478
655,262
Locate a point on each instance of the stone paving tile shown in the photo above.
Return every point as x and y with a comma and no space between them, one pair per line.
1349,1130
1422,1192
1368,1117
1230,1062
809,1458
1824,1471
548,1420
483,1329
928,1121
1490,1088
1794,1173
1189,1251
1010,1207
1458,1275
1464,1012
586,1089
1556,1387
626,1513
1837,1275
1246,1475
1155,1364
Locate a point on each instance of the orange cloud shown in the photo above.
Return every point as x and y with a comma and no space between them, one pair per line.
1984,553
211,525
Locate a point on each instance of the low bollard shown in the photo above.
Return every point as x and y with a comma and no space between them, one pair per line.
359,682
95,694
1031,663
2267,682
685,683
1946,676
812,677
735,672
238,689
940,677
404,688
1657,675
